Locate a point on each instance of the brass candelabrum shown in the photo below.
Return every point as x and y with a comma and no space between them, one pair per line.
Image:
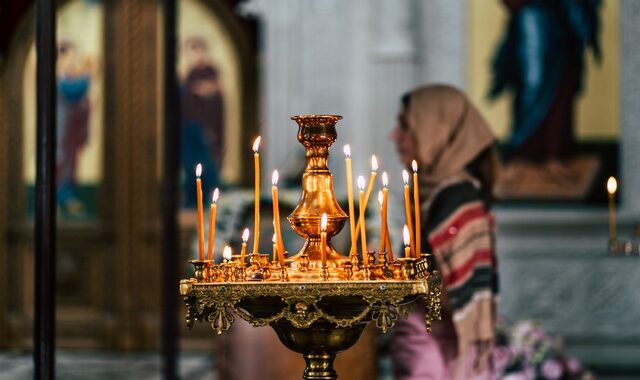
315,310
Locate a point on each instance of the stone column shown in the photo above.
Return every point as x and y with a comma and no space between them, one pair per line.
630,112
442,41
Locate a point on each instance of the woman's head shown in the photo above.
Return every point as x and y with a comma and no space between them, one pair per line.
441,130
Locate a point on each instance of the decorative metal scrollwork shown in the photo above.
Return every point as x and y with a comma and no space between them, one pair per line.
303,304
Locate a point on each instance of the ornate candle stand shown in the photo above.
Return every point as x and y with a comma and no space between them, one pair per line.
317,311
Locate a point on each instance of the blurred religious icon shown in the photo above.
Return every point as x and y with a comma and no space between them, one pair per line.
202,117
72,112
541,61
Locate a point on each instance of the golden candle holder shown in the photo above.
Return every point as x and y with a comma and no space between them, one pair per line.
317,310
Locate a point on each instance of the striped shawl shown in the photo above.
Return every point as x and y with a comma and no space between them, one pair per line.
459,230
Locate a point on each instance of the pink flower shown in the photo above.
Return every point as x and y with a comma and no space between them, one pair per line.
574,366
551,369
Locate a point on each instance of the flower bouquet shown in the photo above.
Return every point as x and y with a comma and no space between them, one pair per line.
525,352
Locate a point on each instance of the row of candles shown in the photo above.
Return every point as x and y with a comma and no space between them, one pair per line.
411,235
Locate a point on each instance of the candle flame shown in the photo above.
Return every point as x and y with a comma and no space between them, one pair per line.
274,178
612,185
380,196
414,166
385,180
226,252
245,235
256,144
405,177
273,239
347,151
361,183
374,163
405,236
216,194
198,170
323,222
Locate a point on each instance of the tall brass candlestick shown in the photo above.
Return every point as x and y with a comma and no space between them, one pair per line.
363,231
212,223
200,213
407,209
256,217
316,133
352,215
612,187
416,207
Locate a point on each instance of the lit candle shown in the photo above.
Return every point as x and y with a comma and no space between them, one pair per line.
385,206
274,248
612,187
256,218
243,250
416,207
212,223
363,231
323,239
352,215
367,194
407,241
200,213
382,222
407,208
226,253
276,212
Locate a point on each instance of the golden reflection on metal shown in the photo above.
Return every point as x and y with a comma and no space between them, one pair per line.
315,311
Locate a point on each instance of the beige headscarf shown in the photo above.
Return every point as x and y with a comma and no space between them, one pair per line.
450,133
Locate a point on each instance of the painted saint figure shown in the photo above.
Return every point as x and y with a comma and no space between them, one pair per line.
541,60
202,118
72,112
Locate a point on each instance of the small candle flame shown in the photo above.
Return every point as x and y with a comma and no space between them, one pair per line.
374,163
245,235
198,170
274,178
347,151
380,196
256,144
385,180
323,222
414,166
226,253
405,177
405,236
273,239
216,195
612,185
360,183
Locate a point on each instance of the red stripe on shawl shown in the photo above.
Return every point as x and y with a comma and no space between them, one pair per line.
483,256
451,229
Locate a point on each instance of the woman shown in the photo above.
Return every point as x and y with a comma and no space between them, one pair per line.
447,136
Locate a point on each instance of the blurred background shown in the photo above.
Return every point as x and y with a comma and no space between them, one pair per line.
245,67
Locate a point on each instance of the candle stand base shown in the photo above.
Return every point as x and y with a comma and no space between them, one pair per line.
316,319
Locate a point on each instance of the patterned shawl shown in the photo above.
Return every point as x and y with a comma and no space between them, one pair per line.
458,226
